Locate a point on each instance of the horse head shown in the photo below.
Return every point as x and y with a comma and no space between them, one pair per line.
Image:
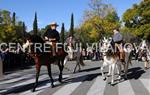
106,46
26,45
32,42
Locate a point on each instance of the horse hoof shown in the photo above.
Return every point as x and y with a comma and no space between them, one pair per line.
125,78
60,80
104,79
74,72
112,84
119,77
52,85
108,75
33,90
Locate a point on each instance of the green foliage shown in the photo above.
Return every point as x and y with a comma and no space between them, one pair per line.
35,25
98,27
112,17
14,19
99,20
62,34
137,19
24,30
72,25
43,30
5,17
82,34
10,29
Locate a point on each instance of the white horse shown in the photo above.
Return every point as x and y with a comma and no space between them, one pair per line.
112,60
70,52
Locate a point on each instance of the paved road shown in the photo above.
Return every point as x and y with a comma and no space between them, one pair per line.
86,82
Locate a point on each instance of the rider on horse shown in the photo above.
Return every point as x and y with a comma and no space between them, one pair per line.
70,41
117,41
52,35
70,46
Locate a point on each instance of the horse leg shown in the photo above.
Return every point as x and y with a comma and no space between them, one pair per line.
109,72
65,61
37,77
77,64
126,69
145,65
130,62
118,68
75,68
50,75
61,66
71,55
81,59
113,73
79,67
123,68
102,70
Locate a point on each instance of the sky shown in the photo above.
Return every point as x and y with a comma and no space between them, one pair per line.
57,10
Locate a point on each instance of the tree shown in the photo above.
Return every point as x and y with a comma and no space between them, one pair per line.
1,18
14,19
35,25
24,30
72,25
6,17
99,20
98,8
82,34
112,17
43,30
7,32
137,19
19,32
10,28
62,33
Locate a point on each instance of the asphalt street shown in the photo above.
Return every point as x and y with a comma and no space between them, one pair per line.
88,81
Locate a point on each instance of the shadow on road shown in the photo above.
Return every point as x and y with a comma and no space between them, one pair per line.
91,69
87,77
23,88
135,73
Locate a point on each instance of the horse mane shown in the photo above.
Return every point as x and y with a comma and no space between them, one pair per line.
35,39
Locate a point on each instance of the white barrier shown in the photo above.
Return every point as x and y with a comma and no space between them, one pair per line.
1,68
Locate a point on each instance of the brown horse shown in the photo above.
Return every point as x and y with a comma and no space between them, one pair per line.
44,58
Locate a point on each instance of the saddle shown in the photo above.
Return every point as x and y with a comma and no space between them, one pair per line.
58,52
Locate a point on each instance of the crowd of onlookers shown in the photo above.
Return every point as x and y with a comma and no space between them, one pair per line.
15,60
91,54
